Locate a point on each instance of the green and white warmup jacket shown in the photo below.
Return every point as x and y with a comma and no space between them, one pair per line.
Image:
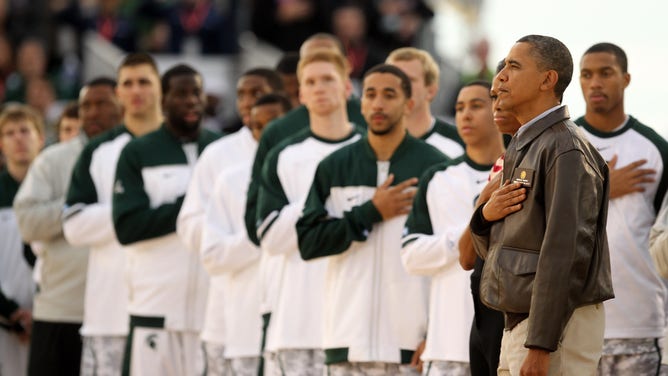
39,207
274,133
444,137
87,223
164,279
441,212
233,262
639,307
374,310
16,283
287,174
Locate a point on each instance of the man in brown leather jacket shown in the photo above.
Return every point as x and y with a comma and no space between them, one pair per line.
542,233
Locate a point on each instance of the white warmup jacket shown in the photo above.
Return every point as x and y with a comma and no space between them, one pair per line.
87,222
232,261
441,212
220,155
287,173
638,309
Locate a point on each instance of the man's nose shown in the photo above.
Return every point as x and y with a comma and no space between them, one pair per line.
377,103
595,82
467,114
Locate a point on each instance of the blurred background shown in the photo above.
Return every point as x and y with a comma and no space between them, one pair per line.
48,48
639,27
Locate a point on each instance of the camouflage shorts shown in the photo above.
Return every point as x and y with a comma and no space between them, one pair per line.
270,366
631,356
370,369
102,355
295,363
444,368
243,366
215,359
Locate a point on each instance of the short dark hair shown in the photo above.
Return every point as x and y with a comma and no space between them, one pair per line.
551,54
271,76
139,58
288,63
483,83
177,70
274,98
614,49
391,69
71,111
102,81
500,65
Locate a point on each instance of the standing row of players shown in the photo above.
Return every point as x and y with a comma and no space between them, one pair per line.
320,185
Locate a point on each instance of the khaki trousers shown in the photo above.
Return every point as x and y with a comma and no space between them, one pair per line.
579,349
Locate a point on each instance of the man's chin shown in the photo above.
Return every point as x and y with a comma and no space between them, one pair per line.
600,109
93,131
380,131
193,124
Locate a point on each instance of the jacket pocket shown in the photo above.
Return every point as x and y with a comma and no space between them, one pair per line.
519,262
507,279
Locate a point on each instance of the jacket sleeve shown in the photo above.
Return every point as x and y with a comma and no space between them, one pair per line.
320,234
88,225
134,219
86,222
276,215
190,221
250,215
224,250
480,230
571,190
658,240
7,306
422,251
38,205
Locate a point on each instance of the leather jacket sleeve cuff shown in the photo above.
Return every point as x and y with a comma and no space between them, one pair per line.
479,225
538,348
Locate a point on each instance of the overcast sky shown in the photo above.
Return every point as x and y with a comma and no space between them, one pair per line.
640,27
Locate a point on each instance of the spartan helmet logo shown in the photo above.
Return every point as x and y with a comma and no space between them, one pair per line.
151,341
523,175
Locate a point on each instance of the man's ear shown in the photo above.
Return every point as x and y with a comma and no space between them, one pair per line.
627,79
410,103
550,80
42,140
432,90
349,88
301,98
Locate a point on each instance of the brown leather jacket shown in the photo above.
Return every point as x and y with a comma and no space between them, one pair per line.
552,256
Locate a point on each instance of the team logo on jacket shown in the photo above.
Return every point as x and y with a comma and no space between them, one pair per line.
151,341
118,187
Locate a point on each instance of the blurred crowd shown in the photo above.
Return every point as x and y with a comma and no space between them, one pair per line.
42,62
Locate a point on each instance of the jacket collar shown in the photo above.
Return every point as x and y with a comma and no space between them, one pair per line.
630,123
398,153
558,115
